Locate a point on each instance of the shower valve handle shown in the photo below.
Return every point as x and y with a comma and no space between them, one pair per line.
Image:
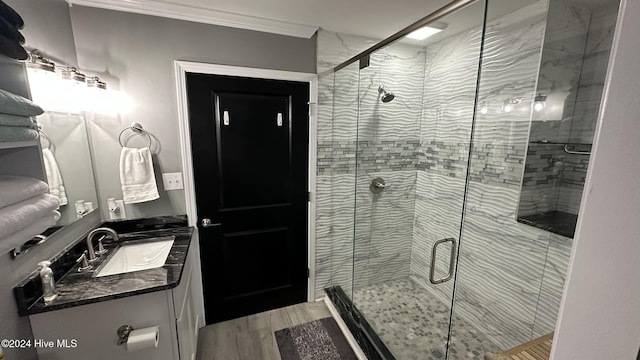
377,185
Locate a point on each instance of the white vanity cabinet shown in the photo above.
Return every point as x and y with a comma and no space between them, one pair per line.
94,326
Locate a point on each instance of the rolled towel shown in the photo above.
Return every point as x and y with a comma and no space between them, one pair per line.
35,228
12,48
14,189
54,177
16,133
16,120
11,15
17,105
137,176
16,217
10,32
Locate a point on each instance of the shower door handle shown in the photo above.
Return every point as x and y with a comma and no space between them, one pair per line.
452,260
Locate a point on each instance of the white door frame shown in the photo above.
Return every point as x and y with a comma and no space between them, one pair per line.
184,67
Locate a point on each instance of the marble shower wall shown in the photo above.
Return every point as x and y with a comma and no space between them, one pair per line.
510,275
383,139
594,68
501,263
572,74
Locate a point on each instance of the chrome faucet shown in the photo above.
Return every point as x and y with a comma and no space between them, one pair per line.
101,250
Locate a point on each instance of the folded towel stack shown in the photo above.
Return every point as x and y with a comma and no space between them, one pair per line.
14,189
26,210
11,40
17,121
16,117
13,104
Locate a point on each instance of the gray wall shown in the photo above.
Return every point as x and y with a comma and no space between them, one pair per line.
135,54
47,27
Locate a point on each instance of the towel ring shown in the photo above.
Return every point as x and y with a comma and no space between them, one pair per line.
45,137
136,128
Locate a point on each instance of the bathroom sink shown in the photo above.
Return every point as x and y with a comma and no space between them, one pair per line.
139,256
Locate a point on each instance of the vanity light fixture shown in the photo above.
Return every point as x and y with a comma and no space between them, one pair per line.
96,83
539,102
484,108
426,31
39,62
63,88
71,73
510,103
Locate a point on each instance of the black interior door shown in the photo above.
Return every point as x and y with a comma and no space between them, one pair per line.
249,141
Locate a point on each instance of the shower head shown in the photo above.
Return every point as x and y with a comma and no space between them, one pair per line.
386,96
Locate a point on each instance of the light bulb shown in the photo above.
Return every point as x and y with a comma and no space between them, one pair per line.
538,106
507,108
539,102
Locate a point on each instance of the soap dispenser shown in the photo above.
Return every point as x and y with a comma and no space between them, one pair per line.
48,283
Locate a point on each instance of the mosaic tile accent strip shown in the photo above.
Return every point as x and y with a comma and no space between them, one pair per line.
553,180
491,164
339,157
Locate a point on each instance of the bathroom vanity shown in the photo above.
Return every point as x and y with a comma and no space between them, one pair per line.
82,323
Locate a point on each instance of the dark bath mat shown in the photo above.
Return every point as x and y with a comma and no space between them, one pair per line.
316,340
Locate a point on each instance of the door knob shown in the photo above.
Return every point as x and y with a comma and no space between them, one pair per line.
206,222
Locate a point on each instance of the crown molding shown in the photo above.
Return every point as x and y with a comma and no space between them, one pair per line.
201,15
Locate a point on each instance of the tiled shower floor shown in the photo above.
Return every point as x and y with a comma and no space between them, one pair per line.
413,324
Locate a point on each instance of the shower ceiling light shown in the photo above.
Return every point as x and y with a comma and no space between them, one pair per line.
426,31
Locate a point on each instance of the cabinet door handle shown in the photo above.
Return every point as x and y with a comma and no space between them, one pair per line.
452,260
206,222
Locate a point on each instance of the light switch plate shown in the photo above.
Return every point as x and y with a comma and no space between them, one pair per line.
172,181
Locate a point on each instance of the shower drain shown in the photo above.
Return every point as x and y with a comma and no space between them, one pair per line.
437,354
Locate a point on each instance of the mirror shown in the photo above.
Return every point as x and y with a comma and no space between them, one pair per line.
67,158
64,137
571,79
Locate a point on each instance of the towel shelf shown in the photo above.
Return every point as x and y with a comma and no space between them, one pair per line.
136,128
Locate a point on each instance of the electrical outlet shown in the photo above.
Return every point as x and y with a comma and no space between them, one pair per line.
119,212
172,181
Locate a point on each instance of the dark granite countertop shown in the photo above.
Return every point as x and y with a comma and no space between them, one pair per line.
78,288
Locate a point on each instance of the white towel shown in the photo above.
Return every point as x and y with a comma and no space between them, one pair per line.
54,178
19,216
14,189
36,228
136,176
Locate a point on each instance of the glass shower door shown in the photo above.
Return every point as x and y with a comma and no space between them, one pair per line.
415,113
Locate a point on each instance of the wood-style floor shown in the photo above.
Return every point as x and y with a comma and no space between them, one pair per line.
252,337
